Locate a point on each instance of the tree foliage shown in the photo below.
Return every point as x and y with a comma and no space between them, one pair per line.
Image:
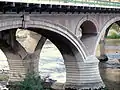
32,81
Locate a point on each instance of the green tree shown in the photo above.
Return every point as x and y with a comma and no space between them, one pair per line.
115,27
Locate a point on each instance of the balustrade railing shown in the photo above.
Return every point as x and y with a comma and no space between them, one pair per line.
95,3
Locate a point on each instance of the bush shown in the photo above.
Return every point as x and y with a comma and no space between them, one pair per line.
32,81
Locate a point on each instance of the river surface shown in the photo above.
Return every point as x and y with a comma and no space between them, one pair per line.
52,64
110,73
110,70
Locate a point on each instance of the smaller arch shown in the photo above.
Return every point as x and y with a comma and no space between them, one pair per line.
89,19
89,29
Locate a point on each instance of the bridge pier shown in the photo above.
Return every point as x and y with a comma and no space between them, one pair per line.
16,66
87,76
103,56
20,61
31,61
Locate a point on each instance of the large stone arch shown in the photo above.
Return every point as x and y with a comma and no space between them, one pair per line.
76,70
60,30
105,29
8,24
71,48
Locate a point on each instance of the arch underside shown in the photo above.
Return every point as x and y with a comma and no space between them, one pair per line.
89,35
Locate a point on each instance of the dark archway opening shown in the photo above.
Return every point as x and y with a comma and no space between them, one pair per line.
88,27
89,33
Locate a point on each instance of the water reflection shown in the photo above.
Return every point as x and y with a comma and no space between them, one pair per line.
110,73
110,70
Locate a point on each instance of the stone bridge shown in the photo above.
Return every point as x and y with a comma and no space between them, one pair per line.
76,35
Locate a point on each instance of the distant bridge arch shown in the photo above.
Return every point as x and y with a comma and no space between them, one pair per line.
105,29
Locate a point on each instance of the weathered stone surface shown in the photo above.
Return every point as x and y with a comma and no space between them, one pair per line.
64,31
86,76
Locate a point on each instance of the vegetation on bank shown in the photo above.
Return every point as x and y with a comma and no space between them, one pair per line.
113,35
32,81
114,32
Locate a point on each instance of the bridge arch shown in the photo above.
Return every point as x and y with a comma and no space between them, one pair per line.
105,30
60,31
9,24
86,21
71,48
62,38
89,29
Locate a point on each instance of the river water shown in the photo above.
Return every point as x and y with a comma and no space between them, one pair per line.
110,70
110,73
52,64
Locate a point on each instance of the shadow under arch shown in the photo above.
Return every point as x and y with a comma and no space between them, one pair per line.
70,54
88,27
71,48
89,34
54,31
9,24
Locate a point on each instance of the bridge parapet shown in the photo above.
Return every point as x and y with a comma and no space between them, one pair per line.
59,6
90,3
